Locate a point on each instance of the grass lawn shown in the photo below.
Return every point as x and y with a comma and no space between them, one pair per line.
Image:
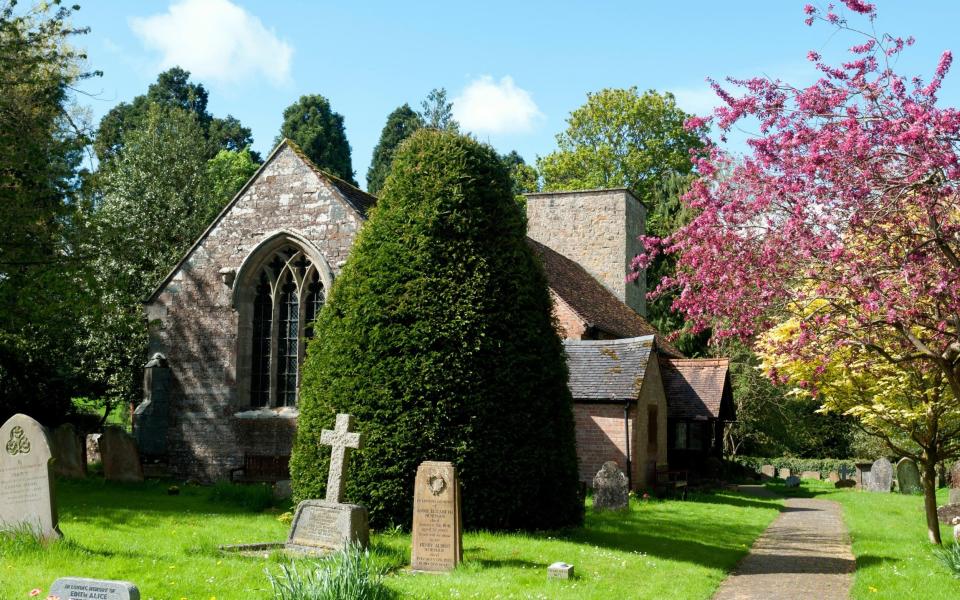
167,545
889,534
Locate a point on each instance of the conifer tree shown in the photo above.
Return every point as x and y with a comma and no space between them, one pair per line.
401,124
319,131
438,338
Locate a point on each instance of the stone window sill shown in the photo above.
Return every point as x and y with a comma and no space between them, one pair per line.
284,412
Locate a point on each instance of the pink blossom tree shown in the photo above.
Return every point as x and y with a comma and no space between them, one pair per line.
845,219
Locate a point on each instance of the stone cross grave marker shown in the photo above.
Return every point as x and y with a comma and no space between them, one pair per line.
322,525
26,478
955,483
610,488
908,476
340,440
881,476
81,588
437,526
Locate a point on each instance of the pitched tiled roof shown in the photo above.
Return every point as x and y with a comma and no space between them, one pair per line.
607,369
595,304
697,388
358,199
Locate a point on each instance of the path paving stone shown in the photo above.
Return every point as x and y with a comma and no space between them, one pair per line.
805,553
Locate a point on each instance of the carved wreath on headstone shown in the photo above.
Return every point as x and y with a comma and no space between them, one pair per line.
18,442
436,483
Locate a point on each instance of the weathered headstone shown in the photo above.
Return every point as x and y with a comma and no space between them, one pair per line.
784,473
955,483
68,588
93,448
610,488
908,476
862,476
26,478
321,525
437,525
946,514
121,460
792,481
768,471
810,475
68,454
833,477
881,476
560,570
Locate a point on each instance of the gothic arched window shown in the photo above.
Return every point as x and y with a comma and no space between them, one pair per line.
288,296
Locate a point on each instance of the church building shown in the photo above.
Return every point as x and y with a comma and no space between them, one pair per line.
228,325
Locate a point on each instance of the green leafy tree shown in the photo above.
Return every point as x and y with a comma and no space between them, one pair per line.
438,338
226,174
41,144
312,125
155,202
523,177
437,113
173,88
401,124
621,138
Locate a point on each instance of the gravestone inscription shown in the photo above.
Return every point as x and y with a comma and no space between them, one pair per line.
69,460
26,478
881,476
437,525
610,488
908,476
80,588
320,525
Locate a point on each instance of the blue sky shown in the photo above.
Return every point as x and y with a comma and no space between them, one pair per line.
516,69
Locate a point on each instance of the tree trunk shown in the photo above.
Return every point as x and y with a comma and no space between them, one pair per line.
929,477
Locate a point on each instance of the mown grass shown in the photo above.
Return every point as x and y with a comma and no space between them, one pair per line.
889,535
168,545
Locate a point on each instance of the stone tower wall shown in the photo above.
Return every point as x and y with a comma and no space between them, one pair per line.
596,228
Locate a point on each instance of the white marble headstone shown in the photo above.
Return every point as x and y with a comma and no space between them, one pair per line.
26,478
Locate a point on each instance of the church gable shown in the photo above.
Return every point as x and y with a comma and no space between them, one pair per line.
287,193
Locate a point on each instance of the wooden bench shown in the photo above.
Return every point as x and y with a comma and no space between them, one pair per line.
672,481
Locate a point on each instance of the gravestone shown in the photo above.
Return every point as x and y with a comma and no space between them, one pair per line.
26,478
118,452
610,488
322,525
908,476
437,525
955,483
881,476
68,454
93,448
833,477
560,570
810,475
792,481
784,473
946,514
862,476
69,588
768,471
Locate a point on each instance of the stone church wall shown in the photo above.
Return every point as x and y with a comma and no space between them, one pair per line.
195,324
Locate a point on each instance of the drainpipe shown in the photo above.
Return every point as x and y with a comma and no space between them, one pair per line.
626,437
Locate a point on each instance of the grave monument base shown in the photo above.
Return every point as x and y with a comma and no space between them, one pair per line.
320,526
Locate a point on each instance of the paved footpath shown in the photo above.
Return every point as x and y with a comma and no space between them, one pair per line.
803,554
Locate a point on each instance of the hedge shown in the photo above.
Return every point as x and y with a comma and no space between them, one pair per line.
797,465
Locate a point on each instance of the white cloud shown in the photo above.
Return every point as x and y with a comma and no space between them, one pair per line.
487,106
699,101
216,41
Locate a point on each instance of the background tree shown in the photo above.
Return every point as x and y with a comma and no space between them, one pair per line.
312,125
155,201
173,88
523,178
437,113
227,172
437,337
41,145
401,124
846,219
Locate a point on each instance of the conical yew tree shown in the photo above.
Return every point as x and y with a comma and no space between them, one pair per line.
438,338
